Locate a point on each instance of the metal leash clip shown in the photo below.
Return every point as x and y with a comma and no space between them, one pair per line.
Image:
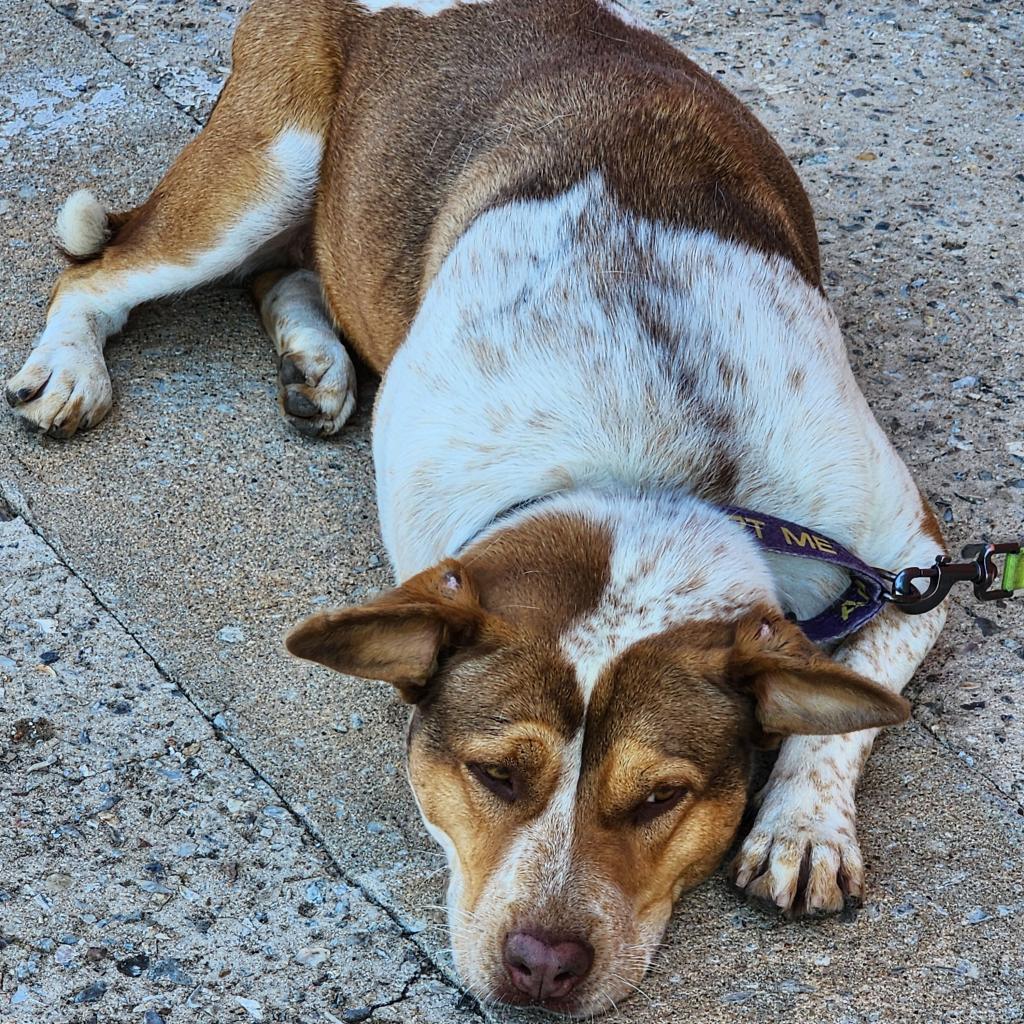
981,570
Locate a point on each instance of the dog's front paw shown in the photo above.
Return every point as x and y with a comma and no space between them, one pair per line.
802,854
61,388
317,387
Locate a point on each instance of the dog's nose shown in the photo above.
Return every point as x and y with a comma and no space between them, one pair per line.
543,969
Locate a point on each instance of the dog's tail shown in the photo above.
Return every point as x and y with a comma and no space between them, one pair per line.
85,226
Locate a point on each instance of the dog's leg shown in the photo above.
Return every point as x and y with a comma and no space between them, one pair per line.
802,853
317,382
238,192
214,211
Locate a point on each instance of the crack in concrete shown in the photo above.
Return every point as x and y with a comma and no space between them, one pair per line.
1013,804
13,500
79,27
404,993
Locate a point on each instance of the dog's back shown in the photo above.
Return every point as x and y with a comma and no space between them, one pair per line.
440,118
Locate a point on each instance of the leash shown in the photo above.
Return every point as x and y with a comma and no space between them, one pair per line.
871,589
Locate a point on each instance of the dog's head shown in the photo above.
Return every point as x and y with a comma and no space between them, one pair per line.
582,736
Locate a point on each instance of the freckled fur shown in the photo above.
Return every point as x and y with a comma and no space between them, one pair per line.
657,416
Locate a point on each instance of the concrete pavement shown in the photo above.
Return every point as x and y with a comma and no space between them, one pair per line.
193,527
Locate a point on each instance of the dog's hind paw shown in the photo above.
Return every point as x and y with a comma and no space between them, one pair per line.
316,378
61,388
800,856
317,388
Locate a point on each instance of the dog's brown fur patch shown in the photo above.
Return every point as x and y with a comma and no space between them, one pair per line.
484,106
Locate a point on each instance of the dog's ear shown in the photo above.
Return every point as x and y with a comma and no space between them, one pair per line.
799,690
399,636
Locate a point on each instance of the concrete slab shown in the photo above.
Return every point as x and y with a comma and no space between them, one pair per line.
181,49
147,871
205,527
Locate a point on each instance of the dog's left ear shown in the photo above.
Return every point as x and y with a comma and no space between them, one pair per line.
399,636
799,690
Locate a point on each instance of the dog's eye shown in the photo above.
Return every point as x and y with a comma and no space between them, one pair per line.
658,801
662,795
498,778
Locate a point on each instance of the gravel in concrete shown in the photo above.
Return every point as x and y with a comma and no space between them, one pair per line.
146,867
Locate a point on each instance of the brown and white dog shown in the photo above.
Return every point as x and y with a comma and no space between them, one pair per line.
590,281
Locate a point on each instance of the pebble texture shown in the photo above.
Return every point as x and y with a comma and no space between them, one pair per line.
148,869
201,527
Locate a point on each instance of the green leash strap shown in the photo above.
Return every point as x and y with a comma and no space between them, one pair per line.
1013,572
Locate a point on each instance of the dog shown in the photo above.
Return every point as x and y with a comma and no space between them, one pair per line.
590,281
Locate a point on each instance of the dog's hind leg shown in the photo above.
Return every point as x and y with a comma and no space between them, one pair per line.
241,189
215,210
317,382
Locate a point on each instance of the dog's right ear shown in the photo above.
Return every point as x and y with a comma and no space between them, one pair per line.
399,636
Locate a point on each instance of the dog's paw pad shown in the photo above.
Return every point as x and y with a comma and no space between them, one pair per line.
61,389
291,371
801,865
317,389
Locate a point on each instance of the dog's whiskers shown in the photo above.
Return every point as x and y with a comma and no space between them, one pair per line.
631,985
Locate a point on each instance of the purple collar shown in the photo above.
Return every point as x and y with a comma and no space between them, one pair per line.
861,601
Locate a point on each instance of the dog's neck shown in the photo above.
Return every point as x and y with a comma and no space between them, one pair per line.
565,344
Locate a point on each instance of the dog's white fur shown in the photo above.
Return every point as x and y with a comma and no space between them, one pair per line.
432,7
674,538
82,225
567,391
426,7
